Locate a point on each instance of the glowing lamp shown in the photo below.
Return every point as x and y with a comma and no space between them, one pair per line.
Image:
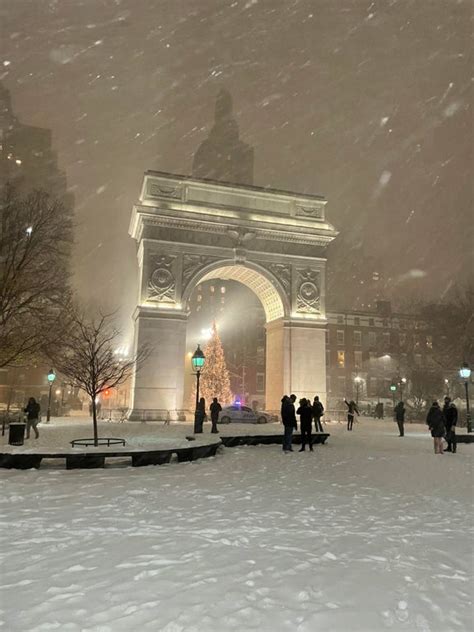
51,376
465,371
198,359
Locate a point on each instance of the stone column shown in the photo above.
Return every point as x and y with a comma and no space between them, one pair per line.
158,387
295,361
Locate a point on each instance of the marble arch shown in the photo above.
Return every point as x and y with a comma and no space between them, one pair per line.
190,230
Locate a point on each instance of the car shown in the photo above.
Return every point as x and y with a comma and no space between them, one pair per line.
243,414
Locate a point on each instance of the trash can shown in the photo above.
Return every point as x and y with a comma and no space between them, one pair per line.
16,435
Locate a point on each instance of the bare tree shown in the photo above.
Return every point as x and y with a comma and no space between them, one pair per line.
452,324
88,358
35,241
425,385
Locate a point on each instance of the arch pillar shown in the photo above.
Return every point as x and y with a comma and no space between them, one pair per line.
159,386
295,360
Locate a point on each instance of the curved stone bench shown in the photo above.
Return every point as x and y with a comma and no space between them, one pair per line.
268,439
86,459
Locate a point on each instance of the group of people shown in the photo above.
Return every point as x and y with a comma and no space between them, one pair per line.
201,415
307,412
442,423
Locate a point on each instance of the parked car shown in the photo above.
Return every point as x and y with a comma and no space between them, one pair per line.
244,414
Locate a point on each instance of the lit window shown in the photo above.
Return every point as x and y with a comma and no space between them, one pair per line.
199,298
212,289
341,359
222,290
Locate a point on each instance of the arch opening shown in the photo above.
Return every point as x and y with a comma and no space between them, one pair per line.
261,286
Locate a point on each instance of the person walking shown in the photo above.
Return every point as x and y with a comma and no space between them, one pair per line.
318,412
288,419
450,413
215,408
399,412
436,423
351,410
32,411
306,423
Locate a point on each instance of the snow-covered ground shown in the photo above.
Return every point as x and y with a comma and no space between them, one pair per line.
369,532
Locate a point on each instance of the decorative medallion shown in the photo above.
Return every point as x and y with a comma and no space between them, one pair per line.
160,190
308,295
161,286
308,211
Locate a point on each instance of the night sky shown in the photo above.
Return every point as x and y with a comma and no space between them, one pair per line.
367,103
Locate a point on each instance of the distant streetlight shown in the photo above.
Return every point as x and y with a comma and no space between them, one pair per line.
401,384
446,382
465,374
51,378
197,361
358,382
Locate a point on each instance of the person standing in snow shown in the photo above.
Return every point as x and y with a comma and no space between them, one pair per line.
215,408
450,413
306,422
288,418
436,423
32,411
399,412
351,410
200,414
318,412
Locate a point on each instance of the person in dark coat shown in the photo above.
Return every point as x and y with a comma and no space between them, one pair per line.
318,412
436,423
450,413
200,415
288,418
215,408
306,422
32,411
399,412
351,410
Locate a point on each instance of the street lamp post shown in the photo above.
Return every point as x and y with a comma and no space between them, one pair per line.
51,378
197,362
393,389
446,383
465,374
358,382
401,384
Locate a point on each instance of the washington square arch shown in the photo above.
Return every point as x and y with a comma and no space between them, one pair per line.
189,230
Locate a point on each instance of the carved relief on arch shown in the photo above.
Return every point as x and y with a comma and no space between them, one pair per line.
282,272
308,291
192,264
161,285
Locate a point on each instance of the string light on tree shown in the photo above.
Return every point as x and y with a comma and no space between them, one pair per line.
214,379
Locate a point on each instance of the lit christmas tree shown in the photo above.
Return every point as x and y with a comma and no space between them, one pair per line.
215,381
